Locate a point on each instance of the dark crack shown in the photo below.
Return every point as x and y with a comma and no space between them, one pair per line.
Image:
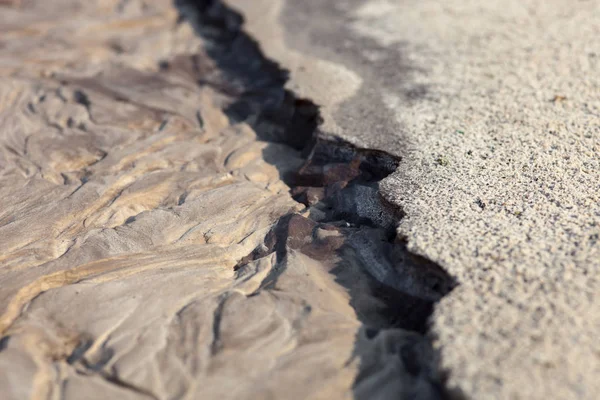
4,342
99,367
215,345
348,220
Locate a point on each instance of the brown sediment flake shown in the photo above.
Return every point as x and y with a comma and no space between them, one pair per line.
159,252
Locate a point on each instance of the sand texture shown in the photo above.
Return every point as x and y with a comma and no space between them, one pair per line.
171,227
493,108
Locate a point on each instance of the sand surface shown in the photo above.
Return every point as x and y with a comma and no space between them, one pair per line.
411,211
168,230
493,108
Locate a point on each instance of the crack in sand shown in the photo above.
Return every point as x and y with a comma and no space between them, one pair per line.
325,185
329,283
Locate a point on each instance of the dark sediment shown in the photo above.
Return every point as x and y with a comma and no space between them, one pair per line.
347,226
